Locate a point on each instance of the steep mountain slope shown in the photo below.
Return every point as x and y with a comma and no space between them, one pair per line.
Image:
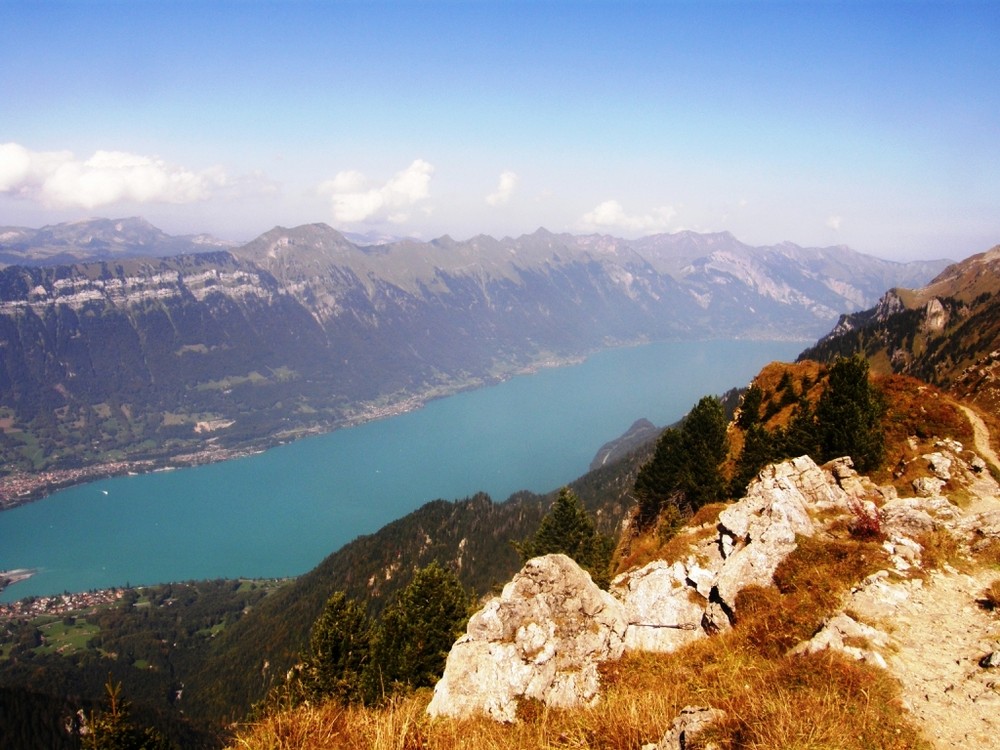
822,279
947,332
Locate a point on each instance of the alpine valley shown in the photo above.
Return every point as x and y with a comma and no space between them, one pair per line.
860,609
125,349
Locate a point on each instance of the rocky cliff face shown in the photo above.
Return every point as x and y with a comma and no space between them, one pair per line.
529,650
541,639
145,334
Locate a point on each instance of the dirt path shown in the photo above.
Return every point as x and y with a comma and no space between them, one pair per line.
935,638
940,635
982,437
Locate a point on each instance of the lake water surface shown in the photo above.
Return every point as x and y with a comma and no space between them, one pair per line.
280,512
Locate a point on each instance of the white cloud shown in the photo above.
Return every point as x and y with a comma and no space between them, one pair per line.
353,201
15,166
611,215
58,178
834,222
505,189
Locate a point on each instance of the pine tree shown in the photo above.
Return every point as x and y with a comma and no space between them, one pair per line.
759,449
686,468
112,728
568,529
801,436
658,481
416,632
339,646
704,442
849,415
750,407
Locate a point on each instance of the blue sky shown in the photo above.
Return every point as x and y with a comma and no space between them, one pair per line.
868,124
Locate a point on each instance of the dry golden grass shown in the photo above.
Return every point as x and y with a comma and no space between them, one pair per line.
988,552
669,540
634,551
810,702
940,548
821,701
809,586
916,409
807,378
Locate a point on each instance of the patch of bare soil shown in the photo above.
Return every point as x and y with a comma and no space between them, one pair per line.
938,636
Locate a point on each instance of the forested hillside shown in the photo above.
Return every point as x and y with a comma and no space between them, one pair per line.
56,661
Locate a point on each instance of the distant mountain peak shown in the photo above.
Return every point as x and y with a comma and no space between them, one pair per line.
97,239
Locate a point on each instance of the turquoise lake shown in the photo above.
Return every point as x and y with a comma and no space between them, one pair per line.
280,512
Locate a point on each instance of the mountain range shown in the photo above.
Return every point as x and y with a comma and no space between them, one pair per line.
196,355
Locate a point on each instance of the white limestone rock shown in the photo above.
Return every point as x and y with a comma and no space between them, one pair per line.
691,722
845,634
662,606
759,531
542,638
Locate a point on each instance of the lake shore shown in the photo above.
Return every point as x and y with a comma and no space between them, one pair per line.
280,512
20,487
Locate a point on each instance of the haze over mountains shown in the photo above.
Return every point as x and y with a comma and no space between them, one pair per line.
148,353
97,239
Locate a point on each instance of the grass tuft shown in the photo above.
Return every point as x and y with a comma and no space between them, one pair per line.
990,600
940,548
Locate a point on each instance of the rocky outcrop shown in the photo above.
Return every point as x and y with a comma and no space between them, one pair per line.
545,635
541,639
663,610
759,531
843,633
935,316
670,605
922,624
